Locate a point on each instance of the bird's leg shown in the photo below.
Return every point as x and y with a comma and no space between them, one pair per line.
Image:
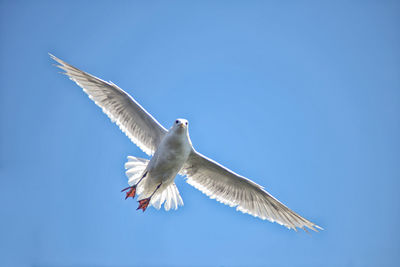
144,203
132,191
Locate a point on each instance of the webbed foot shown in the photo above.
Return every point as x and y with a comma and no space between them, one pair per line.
131,192
143,204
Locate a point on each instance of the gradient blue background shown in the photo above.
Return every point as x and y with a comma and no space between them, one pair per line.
303,98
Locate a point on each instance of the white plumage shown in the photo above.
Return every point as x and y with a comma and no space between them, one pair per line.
173,153
170,196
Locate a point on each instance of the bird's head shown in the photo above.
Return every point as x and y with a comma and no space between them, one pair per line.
180,124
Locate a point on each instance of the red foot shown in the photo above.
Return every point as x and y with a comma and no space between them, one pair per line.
143,204
131,192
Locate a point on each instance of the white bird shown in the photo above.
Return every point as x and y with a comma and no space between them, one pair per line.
172,153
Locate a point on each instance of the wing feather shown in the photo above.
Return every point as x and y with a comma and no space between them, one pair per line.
234,190
120,107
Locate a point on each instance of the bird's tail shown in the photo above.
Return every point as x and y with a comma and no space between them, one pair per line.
167,194
135,168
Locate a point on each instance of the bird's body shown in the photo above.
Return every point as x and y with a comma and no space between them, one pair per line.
169,158
172,153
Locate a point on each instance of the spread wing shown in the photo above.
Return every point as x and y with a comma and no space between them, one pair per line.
120,107
227,187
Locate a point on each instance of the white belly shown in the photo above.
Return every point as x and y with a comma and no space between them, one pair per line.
168,160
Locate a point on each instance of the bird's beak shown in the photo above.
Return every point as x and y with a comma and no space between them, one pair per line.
182,125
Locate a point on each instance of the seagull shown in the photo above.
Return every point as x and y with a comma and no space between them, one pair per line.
172,153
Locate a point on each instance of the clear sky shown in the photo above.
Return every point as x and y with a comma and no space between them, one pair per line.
303,98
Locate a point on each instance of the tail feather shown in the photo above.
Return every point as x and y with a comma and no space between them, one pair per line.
135,168
169,195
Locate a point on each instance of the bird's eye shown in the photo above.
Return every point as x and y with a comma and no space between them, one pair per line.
186,123
176,121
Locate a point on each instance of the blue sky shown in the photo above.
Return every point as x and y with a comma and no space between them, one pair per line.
303,98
